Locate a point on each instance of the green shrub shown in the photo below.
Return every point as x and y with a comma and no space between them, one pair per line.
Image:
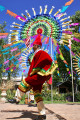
10,94
22,101
46,95
58,97
77,96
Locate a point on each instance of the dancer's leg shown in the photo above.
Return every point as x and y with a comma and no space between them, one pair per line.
40,105
22,88
39,101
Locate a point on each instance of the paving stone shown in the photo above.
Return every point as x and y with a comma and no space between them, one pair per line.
10,111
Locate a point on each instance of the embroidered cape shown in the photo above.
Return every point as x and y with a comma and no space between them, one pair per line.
42,64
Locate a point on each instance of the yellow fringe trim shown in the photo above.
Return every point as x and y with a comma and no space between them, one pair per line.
49,72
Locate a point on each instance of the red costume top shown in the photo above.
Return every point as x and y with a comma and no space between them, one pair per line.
41,64
40,70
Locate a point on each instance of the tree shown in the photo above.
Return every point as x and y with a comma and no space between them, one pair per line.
75,47
5,57
2,30
63,73
76,19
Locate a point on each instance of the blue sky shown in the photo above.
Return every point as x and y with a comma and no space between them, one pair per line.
19,6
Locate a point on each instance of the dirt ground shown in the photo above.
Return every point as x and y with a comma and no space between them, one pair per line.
10,111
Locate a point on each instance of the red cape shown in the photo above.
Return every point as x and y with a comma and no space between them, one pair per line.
41,64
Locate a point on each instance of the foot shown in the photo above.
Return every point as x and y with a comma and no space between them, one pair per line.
13,101
35,105
30,105
41,117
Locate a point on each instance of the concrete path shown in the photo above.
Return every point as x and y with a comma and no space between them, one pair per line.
10,111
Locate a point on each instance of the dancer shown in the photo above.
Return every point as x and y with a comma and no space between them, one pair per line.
40,71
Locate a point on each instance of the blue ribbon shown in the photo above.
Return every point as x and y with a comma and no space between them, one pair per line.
64,8
15,45
0,65
5,49
66,47
15,62
11,58
21,46
5,53
2,8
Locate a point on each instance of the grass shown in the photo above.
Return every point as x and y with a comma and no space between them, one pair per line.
50,102
54,102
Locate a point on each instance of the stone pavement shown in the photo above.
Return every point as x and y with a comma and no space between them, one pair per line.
10,111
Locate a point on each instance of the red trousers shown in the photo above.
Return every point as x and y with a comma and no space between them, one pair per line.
36,81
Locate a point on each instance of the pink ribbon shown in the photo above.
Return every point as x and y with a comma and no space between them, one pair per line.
23,70
14,68
76,39
74,24
14,49
17,17
58,49
3,36
7,68
58,15
6,62
20,59
45,40
72,53
68,32
69,72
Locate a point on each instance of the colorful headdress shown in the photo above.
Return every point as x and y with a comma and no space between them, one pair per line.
38,38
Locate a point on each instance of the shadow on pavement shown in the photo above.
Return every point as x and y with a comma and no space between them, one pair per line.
32,114
25,114
58,116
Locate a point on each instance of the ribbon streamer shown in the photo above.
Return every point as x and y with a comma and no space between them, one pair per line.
11,58
76,39
58,49
45,10
47,40
51,10
6,62
5,53
64,8
69,2
15,62
14,49
58,15
34,12
11,13
14,68
5,49
20,18
7,68
2,8
67,32
0,65
18,54
74,24
3,36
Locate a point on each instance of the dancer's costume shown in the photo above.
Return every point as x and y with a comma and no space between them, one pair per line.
40,71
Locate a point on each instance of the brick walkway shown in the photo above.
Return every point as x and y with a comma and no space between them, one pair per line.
54,112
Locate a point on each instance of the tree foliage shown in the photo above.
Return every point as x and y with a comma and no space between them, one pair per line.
5,57
2,42
75,47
